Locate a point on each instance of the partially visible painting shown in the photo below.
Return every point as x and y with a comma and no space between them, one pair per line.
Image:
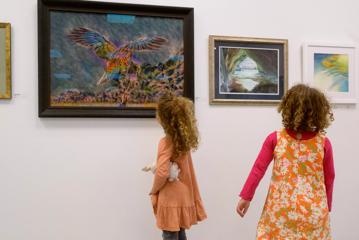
247,70
332,70
5,61
115,63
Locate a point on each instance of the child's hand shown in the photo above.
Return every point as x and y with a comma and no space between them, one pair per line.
242,207
150,167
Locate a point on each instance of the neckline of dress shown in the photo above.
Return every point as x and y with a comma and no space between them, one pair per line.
301,135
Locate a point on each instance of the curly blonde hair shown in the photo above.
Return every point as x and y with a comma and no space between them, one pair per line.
176,115
304,108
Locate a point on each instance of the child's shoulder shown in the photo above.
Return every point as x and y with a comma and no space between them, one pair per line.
165,140
273,135
165,144
162,141
271,139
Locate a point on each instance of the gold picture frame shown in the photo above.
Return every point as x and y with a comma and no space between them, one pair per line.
271,73
5,61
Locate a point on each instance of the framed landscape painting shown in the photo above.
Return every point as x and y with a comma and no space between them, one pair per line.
332,69
247,70
102,59
5,61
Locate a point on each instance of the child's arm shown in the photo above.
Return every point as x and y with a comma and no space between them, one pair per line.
259,168
329,172
163,166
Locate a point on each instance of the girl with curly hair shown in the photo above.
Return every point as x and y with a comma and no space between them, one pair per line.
300,193
177,205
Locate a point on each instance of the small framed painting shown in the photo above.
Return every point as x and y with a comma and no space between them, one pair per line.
107,59
247,70
5,61
332,69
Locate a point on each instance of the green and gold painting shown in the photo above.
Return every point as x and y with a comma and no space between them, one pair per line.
331,69
331,72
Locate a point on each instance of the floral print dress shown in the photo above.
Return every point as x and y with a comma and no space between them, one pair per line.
296,206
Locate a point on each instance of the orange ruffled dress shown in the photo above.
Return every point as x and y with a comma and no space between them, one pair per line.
176,204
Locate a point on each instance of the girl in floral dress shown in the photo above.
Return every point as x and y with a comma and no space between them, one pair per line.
300,193
177,205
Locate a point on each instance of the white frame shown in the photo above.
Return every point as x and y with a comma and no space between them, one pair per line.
308,69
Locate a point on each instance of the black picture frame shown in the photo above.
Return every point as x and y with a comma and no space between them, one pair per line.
77,6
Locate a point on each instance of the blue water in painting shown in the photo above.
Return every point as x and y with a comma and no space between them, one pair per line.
62,76
55,53
120,18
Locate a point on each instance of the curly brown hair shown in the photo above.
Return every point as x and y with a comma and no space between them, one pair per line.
304,108
176,115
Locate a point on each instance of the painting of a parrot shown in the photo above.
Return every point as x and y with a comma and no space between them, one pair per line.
114,60
117,59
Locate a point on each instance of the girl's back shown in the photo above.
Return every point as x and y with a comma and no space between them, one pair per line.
296,205
300,194
179,202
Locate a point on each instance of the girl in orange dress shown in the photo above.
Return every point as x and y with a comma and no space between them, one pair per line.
300,193
177,205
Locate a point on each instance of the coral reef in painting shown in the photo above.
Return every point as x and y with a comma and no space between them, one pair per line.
112,60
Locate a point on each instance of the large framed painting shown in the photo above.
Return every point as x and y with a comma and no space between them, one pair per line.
247,70
102,59
332,69
5,61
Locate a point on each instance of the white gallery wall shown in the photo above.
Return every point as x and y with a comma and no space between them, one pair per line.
80,179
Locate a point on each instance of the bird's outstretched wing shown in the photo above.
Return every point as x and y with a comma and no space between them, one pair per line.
93,40
146,44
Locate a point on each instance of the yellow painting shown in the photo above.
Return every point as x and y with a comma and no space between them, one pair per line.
331,69
331,72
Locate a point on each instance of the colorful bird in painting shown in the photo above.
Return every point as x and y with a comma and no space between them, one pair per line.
117,59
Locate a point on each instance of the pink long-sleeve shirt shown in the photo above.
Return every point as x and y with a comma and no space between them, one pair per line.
266,155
